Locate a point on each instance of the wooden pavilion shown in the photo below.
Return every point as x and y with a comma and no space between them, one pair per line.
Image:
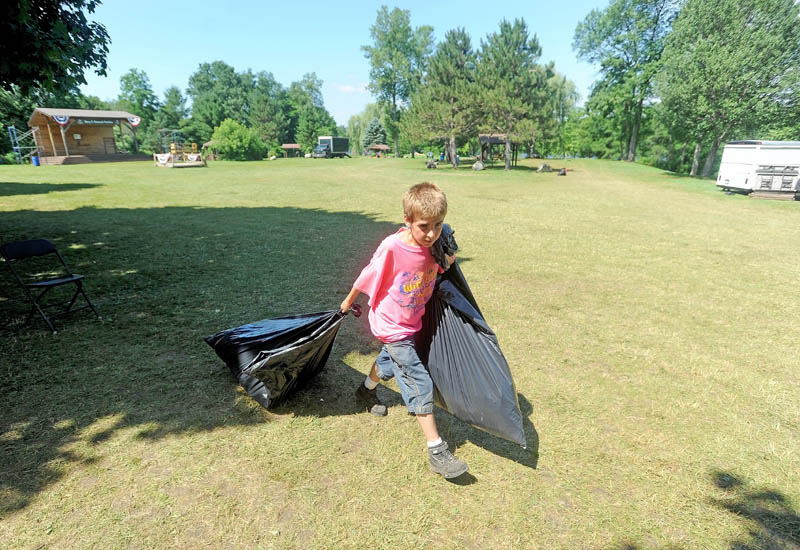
488,142
72,136
290,150
379,148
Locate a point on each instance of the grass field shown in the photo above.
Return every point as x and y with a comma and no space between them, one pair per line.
650,321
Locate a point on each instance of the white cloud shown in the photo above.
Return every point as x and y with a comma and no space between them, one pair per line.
349,89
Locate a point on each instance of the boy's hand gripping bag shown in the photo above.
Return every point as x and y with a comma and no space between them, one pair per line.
471,377
273,358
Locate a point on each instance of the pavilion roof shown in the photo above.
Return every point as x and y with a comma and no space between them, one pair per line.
80,113
492,139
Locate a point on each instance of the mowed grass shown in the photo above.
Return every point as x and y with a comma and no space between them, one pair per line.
650,322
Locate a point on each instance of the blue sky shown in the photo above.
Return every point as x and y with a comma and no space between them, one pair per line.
168,40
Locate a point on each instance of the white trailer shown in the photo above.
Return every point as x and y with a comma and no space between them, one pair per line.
765,168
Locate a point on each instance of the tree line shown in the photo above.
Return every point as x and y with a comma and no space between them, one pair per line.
677,78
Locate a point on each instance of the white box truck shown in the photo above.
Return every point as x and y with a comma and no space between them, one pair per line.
331,146
764,167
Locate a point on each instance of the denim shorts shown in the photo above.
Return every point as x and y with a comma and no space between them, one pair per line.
400,360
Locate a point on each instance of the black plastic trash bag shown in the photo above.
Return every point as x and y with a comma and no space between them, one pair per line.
470,375
273,358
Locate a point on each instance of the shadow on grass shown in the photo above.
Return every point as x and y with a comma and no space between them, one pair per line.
8,188
164,278
773,523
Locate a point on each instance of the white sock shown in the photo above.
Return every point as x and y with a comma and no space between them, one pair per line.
370,383
432,444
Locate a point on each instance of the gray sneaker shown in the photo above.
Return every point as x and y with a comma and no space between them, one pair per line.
443,462
369,399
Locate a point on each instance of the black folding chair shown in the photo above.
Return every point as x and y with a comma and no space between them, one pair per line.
36,287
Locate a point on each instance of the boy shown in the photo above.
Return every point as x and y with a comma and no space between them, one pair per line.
399,281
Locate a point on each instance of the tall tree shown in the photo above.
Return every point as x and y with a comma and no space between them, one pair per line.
508,78
137,96
269,110
218,92
173,111
626,39
397,61
357,125
563,98
729,65
375,134
445,107
308,117
48,44
301,94
313,122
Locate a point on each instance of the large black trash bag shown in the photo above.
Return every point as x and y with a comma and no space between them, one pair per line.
273,358
470,375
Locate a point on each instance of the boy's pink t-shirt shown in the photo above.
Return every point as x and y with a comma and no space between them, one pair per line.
399,281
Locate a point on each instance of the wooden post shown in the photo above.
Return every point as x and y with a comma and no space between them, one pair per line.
64,139
52,141
36,138
135,142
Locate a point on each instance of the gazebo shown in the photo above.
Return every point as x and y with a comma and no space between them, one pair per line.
488,141
68,136
379,148
290,150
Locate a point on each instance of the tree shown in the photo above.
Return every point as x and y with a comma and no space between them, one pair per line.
218,92
314,122
563,98
508,78
173,111
729,66
137,96
269,110
48,44
445,106
235,141
357,125
374,135
397,61
626,39
305,103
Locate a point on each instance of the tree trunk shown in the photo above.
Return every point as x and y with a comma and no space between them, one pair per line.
451,147
695,160
508,153
683,157
637,122
395,116
712,156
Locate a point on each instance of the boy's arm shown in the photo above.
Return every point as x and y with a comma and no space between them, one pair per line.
348,301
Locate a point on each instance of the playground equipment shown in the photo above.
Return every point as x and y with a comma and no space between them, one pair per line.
177,156
24,145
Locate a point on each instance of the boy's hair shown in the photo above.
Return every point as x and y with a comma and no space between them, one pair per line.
424,200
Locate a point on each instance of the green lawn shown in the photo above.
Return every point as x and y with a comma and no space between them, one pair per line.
650,322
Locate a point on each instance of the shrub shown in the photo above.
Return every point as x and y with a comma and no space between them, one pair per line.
234,141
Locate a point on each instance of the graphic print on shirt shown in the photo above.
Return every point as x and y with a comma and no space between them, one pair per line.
413,289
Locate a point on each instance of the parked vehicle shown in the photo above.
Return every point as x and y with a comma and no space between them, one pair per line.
766,167
331,146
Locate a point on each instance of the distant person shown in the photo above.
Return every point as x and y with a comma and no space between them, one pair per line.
399,281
